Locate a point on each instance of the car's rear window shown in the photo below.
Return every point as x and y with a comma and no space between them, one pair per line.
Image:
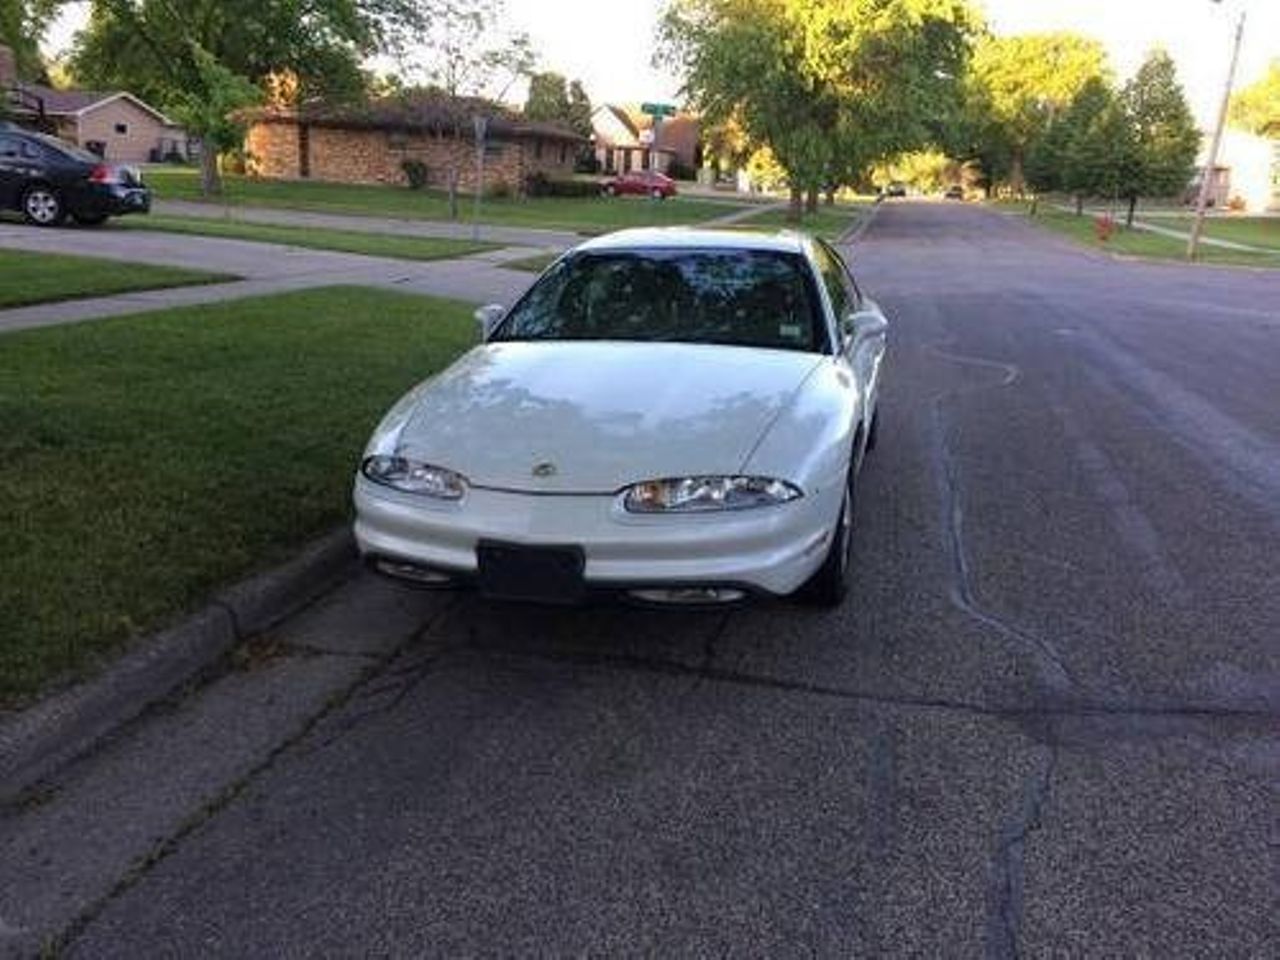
750,298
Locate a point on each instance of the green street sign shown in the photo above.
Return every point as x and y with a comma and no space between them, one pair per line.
658,109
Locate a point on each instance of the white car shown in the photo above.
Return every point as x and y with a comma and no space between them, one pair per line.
674,415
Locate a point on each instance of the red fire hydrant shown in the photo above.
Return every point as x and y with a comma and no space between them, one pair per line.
1104,226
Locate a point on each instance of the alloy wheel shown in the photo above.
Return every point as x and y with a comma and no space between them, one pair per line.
42,206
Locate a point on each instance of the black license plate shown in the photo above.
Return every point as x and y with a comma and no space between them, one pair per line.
512,571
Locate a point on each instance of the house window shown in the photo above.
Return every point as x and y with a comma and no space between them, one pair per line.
493,149
122,129
397,140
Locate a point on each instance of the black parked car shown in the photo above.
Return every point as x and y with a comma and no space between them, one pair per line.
46,179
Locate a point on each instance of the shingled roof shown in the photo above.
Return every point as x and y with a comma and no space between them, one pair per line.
420,113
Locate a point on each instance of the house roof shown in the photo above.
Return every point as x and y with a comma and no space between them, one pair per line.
678,134
428,113
72,103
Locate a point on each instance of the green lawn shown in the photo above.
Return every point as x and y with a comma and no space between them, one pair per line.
27,278
146,460
829,222
1254,231
583,214
1140,243
348,241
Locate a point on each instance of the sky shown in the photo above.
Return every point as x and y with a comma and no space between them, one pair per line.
609,45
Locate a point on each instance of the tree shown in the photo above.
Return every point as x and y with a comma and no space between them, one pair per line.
1163,131
22,26
1016,86
1256,108
828,87
548,97
579,115
1085,152
203,56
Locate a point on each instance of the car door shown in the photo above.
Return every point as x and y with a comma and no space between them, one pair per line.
12,170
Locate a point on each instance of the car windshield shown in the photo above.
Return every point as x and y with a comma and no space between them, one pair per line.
749,298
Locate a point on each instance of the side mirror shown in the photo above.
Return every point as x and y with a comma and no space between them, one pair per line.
860,325
488,317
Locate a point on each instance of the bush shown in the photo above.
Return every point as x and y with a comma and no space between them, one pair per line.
499,190
415,171
586,162
538,184
681,171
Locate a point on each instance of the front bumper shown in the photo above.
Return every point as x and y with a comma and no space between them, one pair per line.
772,550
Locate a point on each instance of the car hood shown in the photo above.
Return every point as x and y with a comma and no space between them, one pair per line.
592,417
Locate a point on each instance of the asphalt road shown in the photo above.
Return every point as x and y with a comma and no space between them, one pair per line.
1046,724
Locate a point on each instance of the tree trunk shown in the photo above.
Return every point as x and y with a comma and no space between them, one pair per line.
453,193
1079,204
811,200
830,199
794,209
1017,181
210,180
1133,206
1035,204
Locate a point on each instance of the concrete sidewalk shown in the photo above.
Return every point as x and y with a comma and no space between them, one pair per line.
265,268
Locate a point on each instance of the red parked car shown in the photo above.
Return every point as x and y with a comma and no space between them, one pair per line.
646,183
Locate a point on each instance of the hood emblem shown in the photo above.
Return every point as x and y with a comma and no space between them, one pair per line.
544,469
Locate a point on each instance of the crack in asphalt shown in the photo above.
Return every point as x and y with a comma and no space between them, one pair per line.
1005,885
167,846
1025,714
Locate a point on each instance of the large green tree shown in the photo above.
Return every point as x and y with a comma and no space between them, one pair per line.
553,98
1162,130
200,58
1256,108
827,86
23,24
1016,87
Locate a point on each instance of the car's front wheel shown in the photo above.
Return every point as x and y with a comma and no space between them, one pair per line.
610,189
42,205
658,194
830,584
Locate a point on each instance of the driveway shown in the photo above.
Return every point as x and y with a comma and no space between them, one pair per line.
1045,724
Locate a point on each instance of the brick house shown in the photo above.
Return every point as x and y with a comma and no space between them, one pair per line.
370,143
625,140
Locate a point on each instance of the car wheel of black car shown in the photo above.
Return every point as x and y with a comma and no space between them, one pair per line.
830,584
89,219
42,205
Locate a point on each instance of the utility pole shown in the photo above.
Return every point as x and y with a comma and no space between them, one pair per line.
481,126
1211,164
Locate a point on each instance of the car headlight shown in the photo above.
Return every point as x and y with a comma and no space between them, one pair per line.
410,476
701,494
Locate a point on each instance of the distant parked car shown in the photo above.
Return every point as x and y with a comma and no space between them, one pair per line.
47,179
645,183
954,192
896,189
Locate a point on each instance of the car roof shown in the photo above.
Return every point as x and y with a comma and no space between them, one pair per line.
690,238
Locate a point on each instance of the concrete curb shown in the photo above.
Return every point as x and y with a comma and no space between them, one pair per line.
38,741
854,234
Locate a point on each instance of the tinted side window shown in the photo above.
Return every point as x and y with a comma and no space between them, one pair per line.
833,279
851,285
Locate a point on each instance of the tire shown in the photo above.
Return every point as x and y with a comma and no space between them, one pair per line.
829,585
42,206
89,219
657,194
609,190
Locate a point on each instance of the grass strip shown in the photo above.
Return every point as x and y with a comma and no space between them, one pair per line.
147,460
